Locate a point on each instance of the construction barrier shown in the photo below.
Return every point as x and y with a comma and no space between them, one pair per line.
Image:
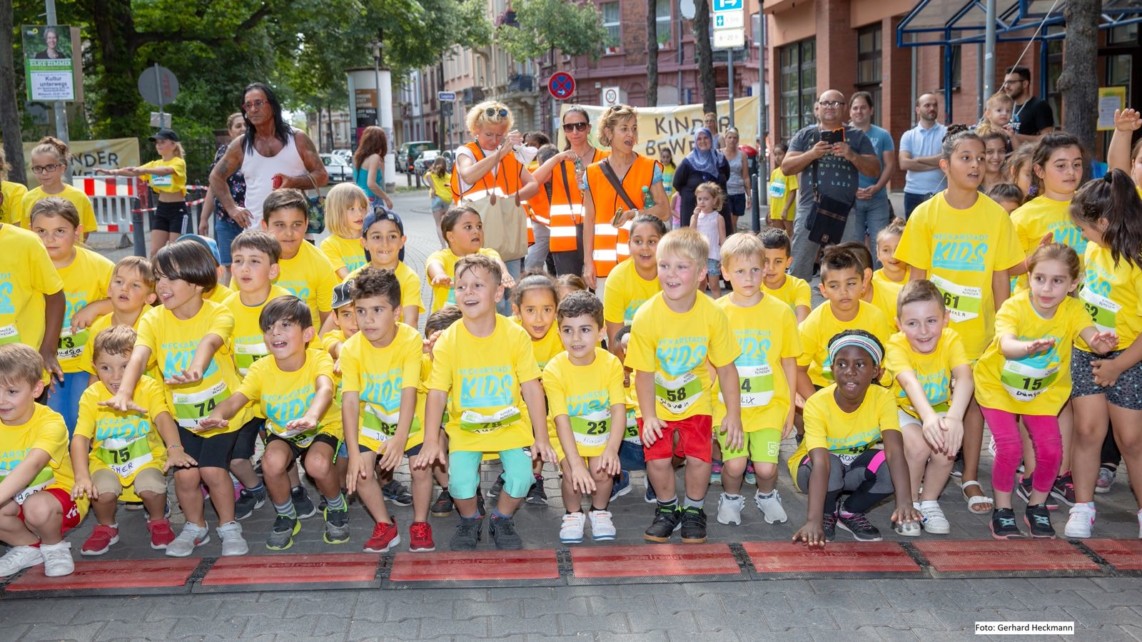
116,198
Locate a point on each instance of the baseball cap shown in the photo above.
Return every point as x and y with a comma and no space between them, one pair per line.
164,134
378,214
341,296
208,243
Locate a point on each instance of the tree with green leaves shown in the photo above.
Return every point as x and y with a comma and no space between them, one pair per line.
546,25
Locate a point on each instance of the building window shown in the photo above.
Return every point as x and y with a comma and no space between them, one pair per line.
953,83
611,24
663,26
869,63
798,85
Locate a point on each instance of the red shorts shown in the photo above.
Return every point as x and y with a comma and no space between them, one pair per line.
695,435
71,514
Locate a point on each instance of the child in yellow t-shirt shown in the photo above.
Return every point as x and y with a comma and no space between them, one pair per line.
964,243
345,208
112,450
464,234
789,289
189,338
254,258
440,196
50,158
302,270
632,283
892,273
32,305
434,325
294,392
586,401
842,282
766,332
1025,373
380,369
11,195
36,477
883,298
782,192
674,338
384,239
843,423
167,177
631,455
932,388
483,368
131,292
85,277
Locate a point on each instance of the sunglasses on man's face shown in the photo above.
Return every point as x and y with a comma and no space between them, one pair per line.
492,112
575,127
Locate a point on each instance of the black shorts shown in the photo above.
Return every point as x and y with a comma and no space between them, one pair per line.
409,452
209,452
248,439
298,451
169,217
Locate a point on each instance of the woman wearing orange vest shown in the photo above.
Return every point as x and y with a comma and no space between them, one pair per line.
488,165
604,244
568,175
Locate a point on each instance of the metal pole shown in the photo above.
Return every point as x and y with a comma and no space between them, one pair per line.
915,82
730,73
760,193
159,93
989,52
58,106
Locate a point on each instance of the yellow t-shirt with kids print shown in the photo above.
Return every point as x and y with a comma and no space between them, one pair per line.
344,253
624,293
26,275
766,333
123,442
482,376
1039,217
822,325
309,277
85,281
584,394
676,347
174,183
844,434
285,396
932,370
409,286
379,376
44,431
247,342
1112,295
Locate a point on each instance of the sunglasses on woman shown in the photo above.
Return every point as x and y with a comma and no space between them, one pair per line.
492,112
575,127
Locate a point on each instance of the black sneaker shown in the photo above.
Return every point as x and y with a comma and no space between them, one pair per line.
859,526
1038,520
248,502
336,526
497,488
502,530
1023,490
443,505
397,493
1003,524
467,535
536,496
693,525
829,525
281,535
667,519
1064,489
302,505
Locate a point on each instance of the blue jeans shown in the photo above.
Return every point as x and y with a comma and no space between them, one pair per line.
868,218
912,201
515,266
225,231
65,398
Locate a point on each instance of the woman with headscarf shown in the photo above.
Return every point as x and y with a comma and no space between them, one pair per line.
703,164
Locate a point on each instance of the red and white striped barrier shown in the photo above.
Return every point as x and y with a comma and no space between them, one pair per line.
116,198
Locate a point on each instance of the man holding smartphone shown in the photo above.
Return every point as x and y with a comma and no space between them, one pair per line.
829,157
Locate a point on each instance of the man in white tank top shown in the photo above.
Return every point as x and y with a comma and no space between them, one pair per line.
271,156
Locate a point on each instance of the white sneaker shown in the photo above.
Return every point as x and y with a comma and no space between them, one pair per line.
191,537
933,520
602,526
232,542
771,507
1140,524
730,509
57,559
571,529
1081,522
19,558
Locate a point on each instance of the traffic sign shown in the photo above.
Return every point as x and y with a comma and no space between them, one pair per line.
158,85
729,24
561,85
446,96
611,96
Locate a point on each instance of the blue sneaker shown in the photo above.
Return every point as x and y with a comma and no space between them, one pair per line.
750,477
716,472
621,486
650,497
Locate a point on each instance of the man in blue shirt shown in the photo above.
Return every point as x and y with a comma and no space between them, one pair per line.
920,154
871,211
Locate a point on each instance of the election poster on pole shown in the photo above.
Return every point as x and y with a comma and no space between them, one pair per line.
49,62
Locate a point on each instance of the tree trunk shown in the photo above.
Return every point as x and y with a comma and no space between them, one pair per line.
9,103
705,55
1079,81
118,103
651,53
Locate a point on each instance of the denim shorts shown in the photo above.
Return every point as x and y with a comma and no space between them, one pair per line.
1125,393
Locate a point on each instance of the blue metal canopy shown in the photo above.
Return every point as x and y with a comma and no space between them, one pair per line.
953,22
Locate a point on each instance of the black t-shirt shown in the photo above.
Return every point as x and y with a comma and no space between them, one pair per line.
839,178
1033,116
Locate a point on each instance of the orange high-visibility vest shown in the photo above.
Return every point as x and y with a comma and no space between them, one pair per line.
611,244
503,181
538,209
567,204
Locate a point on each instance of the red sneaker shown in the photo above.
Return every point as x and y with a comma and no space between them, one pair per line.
420,538
161,533
384,538
101,540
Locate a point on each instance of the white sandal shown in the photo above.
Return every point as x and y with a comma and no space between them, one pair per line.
973,502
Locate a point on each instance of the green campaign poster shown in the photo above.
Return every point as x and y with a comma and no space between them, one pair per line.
48,63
